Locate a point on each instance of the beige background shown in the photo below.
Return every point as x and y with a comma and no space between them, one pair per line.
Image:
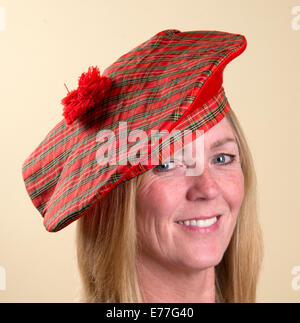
47,43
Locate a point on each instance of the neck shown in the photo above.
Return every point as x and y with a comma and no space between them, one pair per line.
162,284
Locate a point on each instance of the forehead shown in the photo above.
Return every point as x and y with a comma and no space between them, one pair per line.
219,135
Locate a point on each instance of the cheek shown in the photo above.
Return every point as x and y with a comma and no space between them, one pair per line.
233,194
233,190
158,199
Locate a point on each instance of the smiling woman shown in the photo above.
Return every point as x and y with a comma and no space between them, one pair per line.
149,231
155,246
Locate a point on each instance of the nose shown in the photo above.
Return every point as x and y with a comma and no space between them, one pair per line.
203,186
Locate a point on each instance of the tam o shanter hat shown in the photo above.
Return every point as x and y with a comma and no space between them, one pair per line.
171,81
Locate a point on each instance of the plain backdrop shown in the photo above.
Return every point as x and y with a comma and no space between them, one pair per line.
46,43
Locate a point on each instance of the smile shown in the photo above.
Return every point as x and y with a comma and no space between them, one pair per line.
200,223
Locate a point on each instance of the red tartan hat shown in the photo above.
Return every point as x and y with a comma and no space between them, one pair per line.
171,81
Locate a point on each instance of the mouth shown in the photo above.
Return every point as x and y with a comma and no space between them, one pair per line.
198,222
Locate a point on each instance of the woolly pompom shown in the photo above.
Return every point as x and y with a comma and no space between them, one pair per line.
91,90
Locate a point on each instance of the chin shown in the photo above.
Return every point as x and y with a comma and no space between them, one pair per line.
210,261
205,259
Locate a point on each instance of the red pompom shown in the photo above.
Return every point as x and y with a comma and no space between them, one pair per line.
91,90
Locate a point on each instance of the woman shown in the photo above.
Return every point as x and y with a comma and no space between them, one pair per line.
147,232
138,255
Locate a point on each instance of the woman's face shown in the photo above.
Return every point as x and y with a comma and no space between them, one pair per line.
168,196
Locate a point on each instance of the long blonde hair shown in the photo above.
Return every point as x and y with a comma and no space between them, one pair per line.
107,243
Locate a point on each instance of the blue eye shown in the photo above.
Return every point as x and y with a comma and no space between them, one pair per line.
164,167
232,158
221,160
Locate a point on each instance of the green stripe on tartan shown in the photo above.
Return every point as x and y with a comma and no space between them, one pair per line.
53,133
234,40
154,67
168,59
165,74
132,94
77,198
34,176
211,116
175,116
213,44
106,71
171,52
208,117
202,51
195,47
42,207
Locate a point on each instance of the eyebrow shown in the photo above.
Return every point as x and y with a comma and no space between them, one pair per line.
222,142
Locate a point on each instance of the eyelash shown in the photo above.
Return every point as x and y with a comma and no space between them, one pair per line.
233,158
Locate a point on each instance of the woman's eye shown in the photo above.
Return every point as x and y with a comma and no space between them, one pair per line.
165,166
222,159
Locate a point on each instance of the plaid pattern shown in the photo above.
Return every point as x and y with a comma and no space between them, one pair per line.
171,81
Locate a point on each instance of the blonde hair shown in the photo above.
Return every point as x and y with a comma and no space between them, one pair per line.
107,243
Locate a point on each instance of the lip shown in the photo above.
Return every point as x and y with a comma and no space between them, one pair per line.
199,218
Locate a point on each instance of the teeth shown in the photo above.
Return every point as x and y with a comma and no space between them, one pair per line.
200,223
193,222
